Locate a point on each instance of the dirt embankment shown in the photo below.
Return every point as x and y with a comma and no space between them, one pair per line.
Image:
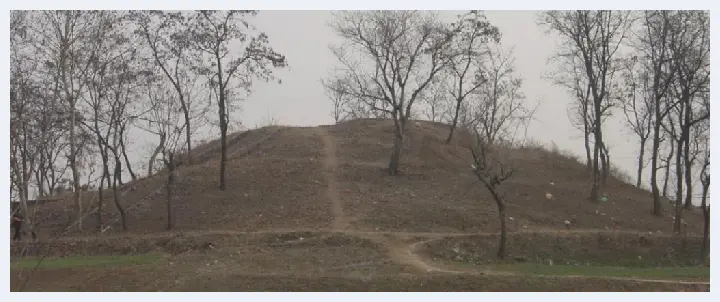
613,249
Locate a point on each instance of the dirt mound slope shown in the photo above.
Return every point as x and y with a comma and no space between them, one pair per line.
278,178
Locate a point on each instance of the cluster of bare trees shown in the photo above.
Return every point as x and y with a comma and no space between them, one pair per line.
653,66
82,80
588,58
393,62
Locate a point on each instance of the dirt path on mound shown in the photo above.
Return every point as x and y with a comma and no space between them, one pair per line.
402,247
330,163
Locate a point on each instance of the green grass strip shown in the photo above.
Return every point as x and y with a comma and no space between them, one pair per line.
683,272
85,261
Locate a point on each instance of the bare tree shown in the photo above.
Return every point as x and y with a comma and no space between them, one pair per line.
497,114
351,106
53,130
341,108
170,142
690,61
654,43
169,160
571,75
595,37
436,100
164,117
390,58
68,41
705,180
124,88
96,99
37,122
492,168
467,54
666,160
167,35
112,78
211,34
23,149
498,106
638,108
35,86
156,119
692,56
24,101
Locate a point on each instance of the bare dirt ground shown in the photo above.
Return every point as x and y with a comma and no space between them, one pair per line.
313,261
330,163
310,209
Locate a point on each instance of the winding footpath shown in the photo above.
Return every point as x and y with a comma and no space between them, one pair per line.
398,248
330,164
406,254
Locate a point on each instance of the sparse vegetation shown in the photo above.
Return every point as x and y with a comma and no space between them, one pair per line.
313,208
86,261
663,273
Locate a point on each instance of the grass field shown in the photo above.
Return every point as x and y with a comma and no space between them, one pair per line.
140,273
85,261
662,273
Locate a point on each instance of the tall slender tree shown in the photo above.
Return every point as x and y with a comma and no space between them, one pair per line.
467,54
212,33
594,37
389,59
638,108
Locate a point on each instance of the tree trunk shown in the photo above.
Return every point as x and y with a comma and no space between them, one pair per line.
169,190
116,198
587,150
101,196
119,175
222,112
74,168
657,204
503,229
41,174
679,187
668,159
98,214
605,160
25,180
223,142
685,136
454,121
155,154
641,160
394,166
22,192
595,171
705,251
125,156
688,169
186,115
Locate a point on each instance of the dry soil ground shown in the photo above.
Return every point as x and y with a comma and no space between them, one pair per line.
310,209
